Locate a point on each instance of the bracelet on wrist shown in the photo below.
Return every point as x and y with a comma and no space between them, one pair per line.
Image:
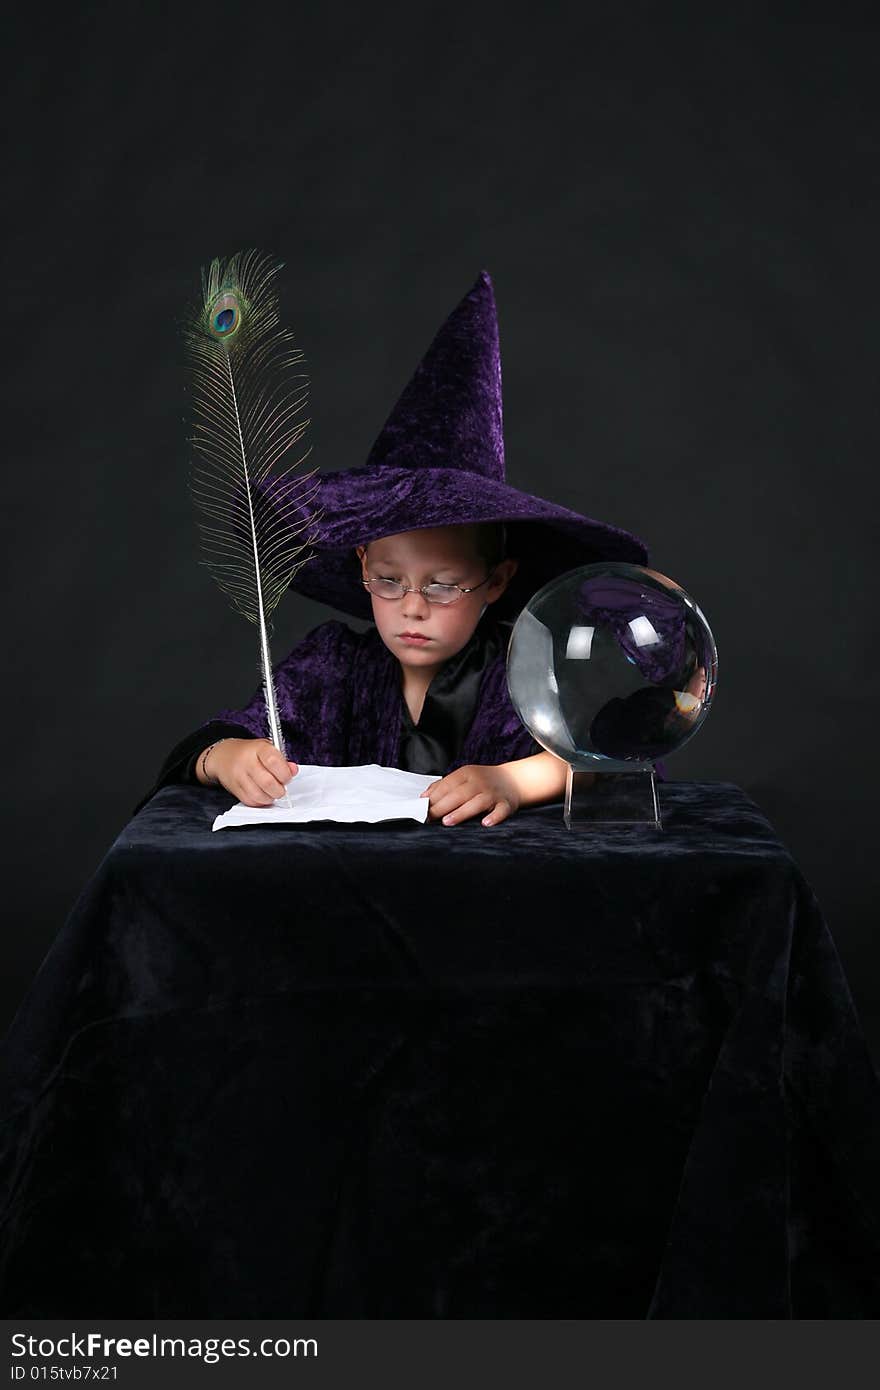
212,781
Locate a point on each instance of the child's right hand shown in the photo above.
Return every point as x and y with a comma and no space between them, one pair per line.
251,769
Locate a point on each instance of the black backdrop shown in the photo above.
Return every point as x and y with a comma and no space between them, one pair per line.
681,218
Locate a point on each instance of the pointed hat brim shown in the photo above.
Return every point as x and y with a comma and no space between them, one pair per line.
364,504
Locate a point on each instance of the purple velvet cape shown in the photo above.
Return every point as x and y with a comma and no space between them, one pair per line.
341,702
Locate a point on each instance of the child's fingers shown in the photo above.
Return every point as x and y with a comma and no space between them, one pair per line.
268,785
274,762
449,801
500,811
458,795
449,792
481,802
255,794
247,791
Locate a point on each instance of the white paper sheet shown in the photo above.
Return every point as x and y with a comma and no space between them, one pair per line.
365,793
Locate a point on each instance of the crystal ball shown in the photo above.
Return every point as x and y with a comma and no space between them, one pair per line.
611,664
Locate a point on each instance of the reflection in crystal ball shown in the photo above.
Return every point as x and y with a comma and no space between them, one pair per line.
611,663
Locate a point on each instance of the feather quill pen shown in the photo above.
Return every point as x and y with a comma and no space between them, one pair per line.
247,411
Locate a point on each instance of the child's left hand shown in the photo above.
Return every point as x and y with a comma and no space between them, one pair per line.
469,790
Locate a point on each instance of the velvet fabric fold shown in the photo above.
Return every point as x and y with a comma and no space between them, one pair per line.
402,1070
341,705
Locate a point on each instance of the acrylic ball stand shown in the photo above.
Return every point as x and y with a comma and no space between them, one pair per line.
622,796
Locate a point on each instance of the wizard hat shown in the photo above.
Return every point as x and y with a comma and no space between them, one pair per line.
439,461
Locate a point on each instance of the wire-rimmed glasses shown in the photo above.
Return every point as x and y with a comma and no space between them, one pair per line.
434,593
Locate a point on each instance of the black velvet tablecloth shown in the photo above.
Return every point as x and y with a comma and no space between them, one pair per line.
403,1070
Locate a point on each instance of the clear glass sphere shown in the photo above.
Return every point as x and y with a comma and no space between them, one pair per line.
610,664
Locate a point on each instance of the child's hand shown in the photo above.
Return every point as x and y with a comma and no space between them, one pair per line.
251,769
469,790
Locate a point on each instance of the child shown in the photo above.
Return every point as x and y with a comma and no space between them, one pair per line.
255,772
424,688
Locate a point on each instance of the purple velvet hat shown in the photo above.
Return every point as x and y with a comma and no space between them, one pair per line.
439,461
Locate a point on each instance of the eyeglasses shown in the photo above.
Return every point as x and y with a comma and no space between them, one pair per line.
434,593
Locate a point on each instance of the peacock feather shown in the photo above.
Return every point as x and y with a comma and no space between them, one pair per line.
248,404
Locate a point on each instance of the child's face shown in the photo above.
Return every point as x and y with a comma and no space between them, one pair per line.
447,555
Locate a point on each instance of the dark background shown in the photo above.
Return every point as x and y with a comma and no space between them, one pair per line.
681,218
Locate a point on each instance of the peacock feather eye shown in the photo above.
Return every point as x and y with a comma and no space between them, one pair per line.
225,315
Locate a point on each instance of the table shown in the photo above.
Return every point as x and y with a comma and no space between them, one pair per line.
403,1070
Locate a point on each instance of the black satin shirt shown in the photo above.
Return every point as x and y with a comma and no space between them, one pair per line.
450,704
